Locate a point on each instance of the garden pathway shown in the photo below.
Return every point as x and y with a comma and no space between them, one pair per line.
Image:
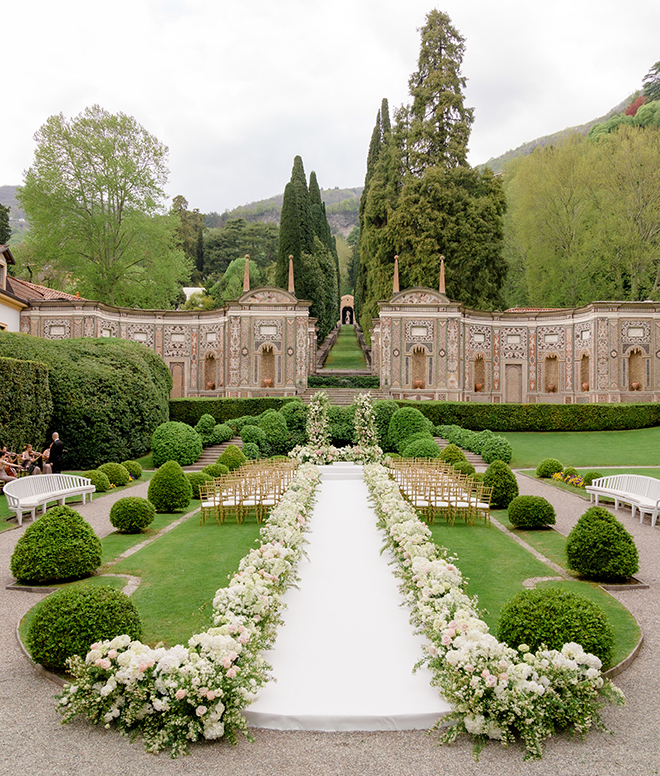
343,658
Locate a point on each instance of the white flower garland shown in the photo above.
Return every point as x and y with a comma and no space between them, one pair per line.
173,696
495,691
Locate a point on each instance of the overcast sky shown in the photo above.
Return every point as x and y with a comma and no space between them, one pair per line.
237,88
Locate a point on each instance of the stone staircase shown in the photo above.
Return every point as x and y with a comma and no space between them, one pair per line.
343,397
210,455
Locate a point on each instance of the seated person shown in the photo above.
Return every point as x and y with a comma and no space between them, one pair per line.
7,469
45,461
29,460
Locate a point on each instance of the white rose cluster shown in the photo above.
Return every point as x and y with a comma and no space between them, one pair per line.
175,695
496,691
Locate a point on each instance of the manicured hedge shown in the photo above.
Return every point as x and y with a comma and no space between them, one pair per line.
26,404
334,381
539,417
108,395
191,410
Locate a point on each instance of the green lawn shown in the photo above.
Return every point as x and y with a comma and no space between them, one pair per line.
644,471
496,580
639,447
181,572
346,353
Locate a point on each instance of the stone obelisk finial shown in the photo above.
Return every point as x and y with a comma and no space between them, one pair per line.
246,274
442,275
292,287
395,284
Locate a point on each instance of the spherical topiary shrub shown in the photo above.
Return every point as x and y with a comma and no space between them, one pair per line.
169,489
464,467
58,546
133,468
98,479
407,441
495,448
548,467
589,477
599,547
555,617
404,422
504,484
196,479
256,436
205,428
222,433
216,469
232,458
570,471
422,448
277,433
531,512
70,620
251,451
116,473
452,454
132,514
174,441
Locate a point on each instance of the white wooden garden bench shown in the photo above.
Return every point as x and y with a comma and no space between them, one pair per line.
27,493
640,492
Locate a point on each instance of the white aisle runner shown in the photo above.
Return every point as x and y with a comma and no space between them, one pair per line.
343,658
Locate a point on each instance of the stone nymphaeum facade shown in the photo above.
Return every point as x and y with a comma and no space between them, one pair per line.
262,344
427,347
423,346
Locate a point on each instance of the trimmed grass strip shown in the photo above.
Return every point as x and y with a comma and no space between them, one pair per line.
346,353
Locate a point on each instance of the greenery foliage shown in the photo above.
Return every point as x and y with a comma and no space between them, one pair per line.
340,425
276,431
589,477
169,489
26,404
548,467
198,478
531,512
205,427
59,546
452,454
174,441
108,395
251,451
255,435
133,468
232,457
132,514
222,433
539,417
216,469
403,423
99,479
426,447
116,473
504,484
551,617
599,547
335,381
383,411
69,621
191,410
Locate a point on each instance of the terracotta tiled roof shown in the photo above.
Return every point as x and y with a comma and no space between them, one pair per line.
31,291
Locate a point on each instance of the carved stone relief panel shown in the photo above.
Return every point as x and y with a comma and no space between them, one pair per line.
142,333
290,351
452,354
513,342
419,332
479,338
496,359
210,336
245,351
551,339
57,328
108,329
602,355
234,350
267,330
301,348
617,375
532,377
176,340
396,353
636,333
442,354
386,348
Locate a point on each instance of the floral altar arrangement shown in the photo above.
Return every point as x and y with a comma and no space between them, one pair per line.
172,696
496,691
318,449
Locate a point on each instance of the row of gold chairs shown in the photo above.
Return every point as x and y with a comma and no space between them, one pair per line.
434,487
257,486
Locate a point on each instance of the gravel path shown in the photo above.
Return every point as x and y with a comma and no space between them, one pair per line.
33,742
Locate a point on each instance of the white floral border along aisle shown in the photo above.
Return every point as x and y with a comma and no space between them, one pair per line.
174,696
496,691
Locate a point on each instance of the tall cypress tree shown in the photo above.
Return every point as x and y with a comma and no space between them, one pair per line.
289,240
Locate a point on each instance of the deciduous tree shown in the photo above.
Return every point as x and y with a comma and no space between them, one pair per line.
5,228
93,197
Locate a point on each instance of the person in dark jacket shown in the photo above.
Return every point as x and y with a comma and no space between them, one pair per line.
56,451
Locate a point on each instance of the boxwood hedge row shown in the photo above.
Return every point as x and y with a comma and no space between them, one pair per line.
26,404
108,395
191,410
